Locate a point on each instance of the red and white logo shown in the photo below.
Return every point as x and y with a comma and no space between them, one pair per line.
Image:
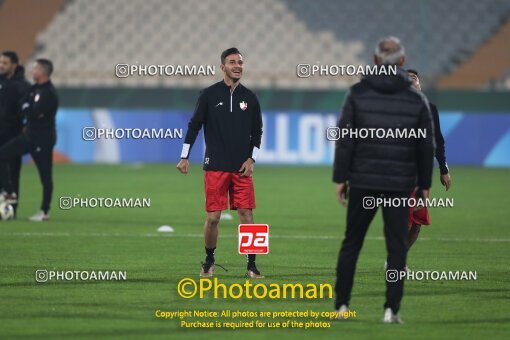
253,239
243,105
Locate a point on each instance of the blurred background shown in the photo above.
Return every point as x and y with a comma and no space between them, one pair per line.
460,47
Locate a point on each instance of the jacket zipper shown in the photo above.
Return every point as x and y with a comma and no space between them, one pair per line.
231,93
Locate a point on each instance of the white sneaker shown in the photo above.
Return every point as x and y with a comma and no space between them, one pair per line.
39,217
340,312
390,317
406,268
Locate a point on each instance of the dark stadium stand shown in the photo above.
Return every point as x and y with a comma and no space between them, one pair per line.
87,38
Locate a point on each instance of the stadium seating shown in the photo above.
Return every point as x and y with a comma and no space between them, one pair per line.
87,38
459,27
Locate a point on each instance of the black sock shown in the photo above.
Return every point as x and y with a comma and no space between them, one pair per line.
251,260
209,254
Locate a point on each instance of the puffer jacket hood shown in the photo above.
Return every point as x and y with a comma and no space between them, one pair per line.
389,83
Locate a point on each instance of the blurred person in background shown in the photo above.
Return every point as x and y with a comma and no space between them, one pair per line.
38,138
13,88
419,217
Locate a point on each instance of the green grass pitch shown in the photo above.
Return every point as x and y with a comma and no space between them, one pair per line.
294,201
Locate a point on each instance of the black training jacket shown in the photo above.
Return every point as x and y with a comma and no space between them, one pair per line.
40,109
232,126
440,149
12,92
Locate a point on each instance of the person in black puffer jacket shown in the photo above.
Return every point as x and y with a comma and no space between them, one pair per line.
381,170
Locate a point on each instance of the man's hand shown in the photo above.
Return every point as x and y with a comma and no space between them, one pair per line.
183,166
421,197
446,180
341,193
247,168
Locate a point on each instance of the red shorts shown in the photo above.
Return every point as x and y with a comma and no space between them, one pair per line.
220,185
420,216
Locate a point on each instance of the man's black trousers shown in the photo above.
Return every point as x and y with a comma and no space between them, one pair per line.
14,165
395,231
40,147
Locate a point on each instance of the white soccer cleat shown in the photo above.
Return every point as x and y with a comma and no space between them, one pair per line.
8,198
390,317
341,312
207,269
39,217
253,273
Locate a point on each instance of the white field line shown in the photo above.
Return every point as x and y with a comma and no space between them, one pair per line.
287,237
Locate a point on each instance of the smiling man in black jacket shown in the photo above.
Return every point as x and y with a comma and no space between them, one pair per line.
232,121
388,168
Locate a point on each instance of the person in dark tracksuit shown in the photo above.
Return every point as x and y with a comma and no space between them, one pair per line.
13,88
388,168
38,138
420,217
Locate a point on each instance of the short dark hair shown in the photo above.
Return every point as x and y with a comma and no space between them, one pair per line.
227,52
13,56
46,64
410,70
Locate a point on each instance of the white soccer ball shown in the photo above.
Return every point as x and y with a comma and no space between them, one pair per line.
6,211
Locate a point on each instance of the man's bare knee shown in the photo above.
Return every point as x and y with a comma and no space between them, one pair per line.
245,215
213,218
